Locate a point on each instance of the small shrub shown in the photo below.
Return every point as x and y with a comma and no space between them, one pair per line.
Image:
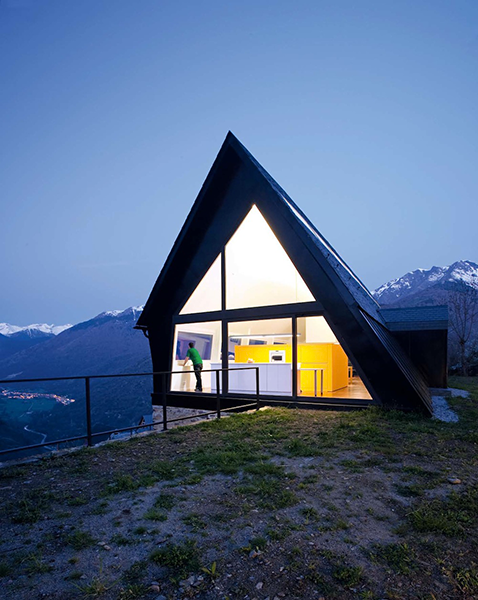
348,576
165,501
180,559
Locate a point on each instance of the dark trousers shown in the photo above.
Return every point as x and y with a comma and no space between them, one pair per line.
197,372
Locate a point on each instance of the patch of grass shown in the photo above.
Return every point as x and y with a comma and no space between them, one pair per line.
100,509
409,491
5,569
27,512
192,479
270,489
340,524
302,447
314,575
256,543
450,517
354,466
226,460
165,501
153,514
310,514
73,576
348,576
307,481
465,579
121,540
167,470
140,530
265,468
121,483
35,565
195,521
270,493
180,559
399,557
135,573
79,540
97,587
77,501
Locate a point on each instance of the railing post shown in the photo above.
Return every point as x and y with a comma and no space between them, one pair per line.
322,382
257,389
315,382
218,396
165,405
89,436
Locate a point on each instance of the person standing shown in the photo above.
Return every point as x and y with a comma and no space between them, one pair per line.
193,355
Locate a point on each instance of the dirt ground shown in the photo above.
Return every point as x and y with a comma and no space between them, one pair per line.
275,504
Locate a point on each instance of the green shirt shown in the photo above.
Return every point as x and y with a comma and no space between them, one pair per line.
194,355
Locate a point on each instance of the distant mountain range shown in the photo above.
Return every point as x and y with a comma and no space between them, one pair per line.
428,287
105,344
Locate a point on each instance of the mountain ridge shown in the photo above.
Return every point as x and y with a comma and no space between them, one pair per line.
425,287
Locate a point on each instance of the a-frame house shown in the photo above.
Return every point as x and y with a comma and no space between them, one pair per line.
252,283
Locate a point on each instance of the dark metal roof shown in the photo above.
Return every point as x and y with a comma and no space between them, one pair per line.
416,318
401,359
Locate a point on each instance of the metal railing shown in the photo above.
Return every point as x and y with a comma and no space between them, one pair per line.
163,375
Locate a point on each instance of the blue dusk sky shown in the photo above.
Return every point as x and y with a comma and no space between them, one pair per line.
364,111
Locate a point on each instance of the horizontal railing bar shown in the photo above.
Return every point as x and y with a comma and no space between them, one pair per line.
248,405
53,443
78,377
109,432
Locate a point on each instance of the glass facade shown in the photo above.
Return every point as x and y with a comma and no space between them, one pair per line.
207,296
258,270
267,345
259,273
323,368
206,338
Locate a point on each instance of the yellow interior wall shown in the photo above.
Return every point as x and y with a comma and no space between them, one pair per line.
340,371
260,354
330,357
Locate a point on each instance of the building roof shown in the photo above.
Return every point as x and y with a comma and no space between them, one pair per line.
416,318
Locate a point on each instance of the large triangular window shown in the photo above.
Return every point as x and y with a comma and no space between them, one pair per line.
207,296
258,270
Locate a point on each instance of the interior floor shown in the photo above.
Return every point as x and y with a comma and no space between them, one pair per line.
355,389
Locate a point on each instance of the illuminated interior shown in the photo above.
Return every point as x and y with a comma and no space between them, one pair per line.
260,273
323,368
265,344
207,341
258,270
207,296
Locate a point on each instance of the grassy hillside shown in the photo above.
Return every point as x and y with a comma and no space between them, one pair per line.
279,504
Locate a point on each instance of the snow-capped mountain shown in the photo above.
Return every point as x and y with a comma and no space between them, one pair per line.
428,286
135,311
32,330
15,341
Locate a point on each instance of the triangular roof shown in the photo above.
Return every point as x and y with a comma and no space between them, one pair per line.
237,181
